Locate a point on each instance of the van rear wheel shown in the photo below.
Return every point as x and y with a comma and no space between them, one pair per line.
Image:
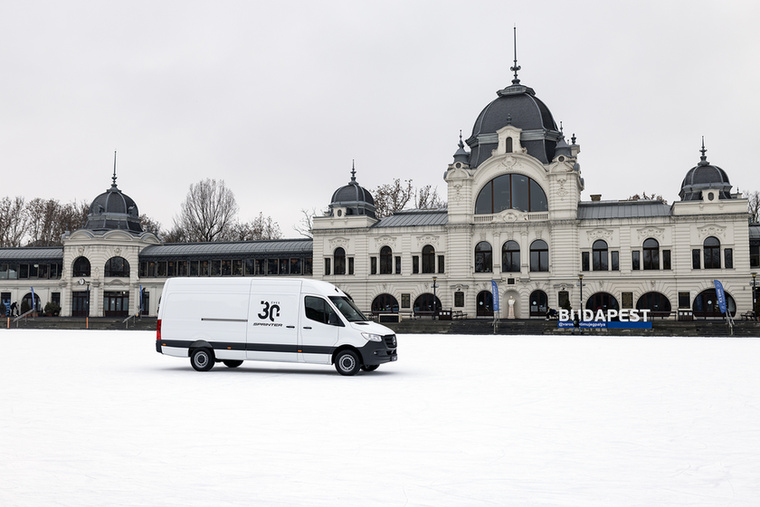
347,362
202,359
232,363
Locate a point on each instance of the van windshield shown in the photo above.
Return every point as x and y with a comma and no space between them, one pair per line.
348,309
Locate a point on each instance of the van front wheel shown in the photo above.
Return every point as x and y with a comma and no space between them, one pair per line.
202,359
347,362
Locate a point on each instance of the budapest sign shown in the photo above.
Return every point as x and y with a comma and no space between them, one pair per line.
601,319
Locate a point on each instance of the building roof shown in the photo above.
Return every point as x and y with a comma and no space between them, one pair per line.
595,210
236,249
415,217
32,253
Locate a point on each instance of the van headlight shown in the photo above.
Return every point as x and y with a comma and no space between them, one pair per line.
372,337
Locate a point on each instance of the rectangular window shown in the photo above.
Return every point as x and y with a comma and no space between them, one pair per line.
3,271
181,268
307,266
284,265
273,266
327,266
615,260
204,271
666,259
23,271
398,265
415,264
695,255
350,265
754,256
161,268
295,266
226,267
441,266
216,267
192,267
373,265
43,271
728,254
170,268
33,270
635,260
237,267
684,301
584,261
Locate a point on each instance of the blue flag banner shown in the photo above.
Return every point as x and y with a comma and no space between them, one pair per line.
34,302
495,293
721,294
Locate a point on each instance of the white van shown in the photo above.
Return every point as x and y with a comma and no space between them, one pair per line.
230,320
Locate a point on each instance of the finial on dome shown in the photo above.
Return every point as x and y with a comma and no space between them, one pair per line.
461,154
461,143
573,138
353,171
515,67
561,128
113,178
703,158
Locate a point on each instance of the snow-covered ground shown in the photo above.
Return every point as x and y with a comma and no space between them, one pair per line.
99,418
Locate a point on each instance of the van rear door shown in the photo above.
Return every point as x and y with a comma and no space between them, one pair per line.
273,321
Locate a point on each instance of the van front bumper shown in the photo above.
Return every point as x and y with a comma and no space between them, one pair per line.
374,353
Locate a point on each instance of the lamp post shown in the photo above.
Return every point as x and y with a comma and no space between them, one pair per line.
435,301
580,284
754,294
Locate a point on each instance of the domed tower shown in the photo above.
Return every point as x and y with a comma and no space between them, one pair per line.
113,209
352,199
704,177
518,106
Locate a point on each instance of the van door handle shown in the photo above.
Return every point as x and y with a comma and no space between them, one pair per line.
290,327
307,327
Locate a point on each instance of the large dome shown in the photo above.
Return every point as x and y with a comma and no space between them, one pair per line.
356,199
515,105
702,177
113,209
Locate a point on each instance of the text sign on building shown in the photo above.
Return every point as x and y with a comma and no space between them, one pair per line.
610,319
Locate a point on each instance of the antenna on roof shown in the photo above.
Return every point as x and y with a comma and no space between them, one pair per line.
353,171
515,67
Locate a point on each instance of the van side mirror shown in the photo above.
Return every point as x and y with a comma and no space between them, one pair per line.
334,320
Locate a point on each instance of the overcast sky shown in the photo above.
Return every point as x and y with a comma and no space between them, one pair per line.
277,98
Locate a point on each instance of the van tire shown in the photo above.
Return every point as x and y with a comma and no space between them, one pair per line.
347,362
202,359
232,363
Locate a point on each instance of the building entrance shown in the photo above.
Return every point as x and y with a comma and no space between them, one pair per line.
116,303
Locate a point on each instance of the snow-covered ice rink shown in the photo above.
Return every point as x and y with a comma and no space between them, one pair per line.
99,418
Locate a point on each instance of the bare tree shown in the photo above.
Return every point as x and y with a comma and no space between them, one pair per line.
42,214
305,226
208,212
259,228
393,197
13,221
427,198
647,197
753,199
150,225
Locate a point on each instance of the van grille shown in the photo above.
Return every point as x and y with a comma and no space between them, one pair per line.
390,340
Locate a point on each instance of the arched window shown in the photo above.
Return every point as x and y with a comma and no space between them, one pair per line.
599,251
117,266
539,256
339,257
657,303
602,301
384,303
485,304
510,257
26,302
539,303
483,259
511,191
712,253
386,260
651,254
706,305
81,267
426,304
428,259
509,145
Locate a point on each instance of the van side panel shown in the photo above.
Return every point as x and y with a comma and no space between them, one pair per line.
215,312
273,319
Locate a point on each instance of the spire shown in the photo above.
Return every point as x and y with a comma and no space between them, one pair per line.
515,67
703,158
353,172
461,155
113,178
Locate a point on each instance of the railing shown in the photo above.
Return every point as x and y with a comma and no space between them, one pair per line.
126,320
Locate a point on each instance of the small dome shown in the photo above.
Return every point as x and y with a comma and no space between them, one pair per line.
113,210
356,199
702,177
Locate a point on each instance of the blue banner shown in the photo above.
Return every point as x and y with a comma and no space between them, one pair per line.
600,324
721,294
495,294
